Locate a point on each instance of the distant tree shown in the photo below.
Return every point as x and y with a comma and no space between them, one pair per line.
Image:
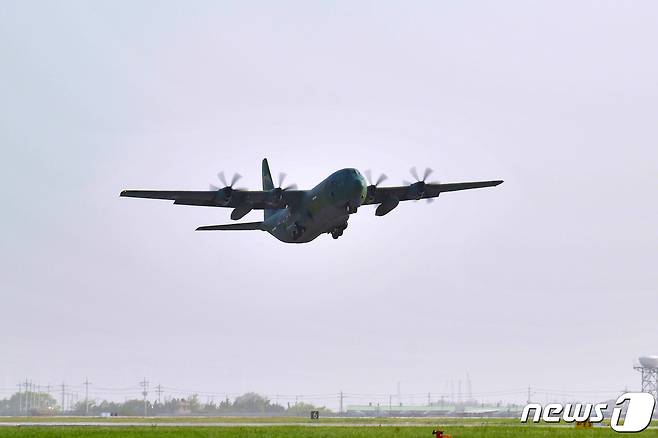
252,403
225,405
194,404
36,403
304,409
134,407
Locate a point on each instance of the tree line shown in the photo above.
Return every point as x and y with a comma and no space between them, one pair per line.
251,403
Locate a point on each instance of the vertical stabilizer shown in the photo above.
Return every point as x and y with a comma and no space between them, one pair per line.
268,184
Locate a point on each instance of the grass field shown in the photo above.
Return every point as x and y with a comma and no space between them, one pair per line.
268,420
270,427
497,431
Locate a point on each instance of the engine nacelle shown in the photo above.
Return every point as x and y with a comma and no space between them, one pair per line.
241,212
385,207
417,190
223,196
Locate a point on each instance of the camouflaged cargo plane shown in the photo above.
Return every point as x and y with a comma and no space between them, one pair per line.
299,216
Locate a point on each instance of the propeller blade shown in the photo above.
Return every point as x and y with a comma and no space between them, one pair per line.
381,179
406,183
282,178
368,174
414,173
236,177
222,178
430,200
214,188
291,187
428,172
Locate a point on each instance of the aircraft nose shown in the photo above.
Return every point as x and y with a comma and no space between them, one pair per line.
361,187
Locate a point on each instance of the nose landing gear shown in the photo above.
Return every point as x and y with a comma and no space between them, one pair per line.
350,208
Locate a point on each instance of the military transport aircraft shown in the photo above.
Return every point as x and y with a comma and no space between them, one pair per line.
299,216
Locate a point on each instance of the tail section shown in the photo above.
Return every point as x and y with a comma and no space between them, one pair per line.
268,184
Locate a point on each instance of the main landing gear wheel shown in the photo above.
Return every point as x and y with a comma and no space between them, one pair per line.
337,232
297,231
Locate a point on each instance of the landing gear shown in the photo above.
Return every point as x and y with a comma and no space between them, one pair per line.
338,231
297,231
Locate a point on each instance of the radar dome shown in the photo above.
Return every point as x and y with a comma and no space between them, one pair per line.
649,361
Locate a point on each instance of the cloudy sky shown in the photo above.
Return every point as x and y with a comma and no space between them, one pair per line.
548,280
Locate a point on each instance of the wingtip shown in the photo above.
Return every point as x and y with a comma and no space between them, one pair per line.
123,193
499,182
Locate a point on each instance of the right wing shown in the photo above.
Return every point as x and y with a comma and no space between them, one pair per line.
424,191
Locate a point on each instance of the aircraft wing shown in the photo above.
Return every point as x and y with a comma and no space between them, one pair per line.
421,190
231,198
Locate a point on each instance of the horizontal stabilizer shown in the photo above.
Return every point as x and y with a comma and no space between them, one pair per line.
171,195
243,226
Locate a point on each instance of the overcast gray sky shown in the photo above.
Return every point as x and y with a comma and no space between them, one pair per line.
548,280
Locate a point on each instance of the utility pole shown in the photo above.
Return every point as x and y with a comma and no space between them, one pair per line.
27,398
429,399
529,391
340,409
86,383
145,386
159,391
63,395
48,392
20,398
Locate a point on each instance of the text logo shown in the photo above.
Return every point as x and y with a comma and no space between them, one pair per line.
639,410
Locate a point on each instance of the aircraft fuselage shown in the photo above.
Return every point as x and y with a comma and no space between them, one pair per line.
324,209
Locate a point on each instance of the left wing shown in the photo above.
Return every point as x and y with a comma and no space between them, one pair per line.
421,190
227,197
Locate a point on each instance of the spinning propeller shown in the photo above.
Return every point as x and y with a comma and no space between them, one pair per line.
225,193
372,187
278,191
222,179
417,188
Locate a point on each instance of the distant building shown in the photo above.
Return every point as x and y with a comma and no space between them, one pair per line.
434,410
